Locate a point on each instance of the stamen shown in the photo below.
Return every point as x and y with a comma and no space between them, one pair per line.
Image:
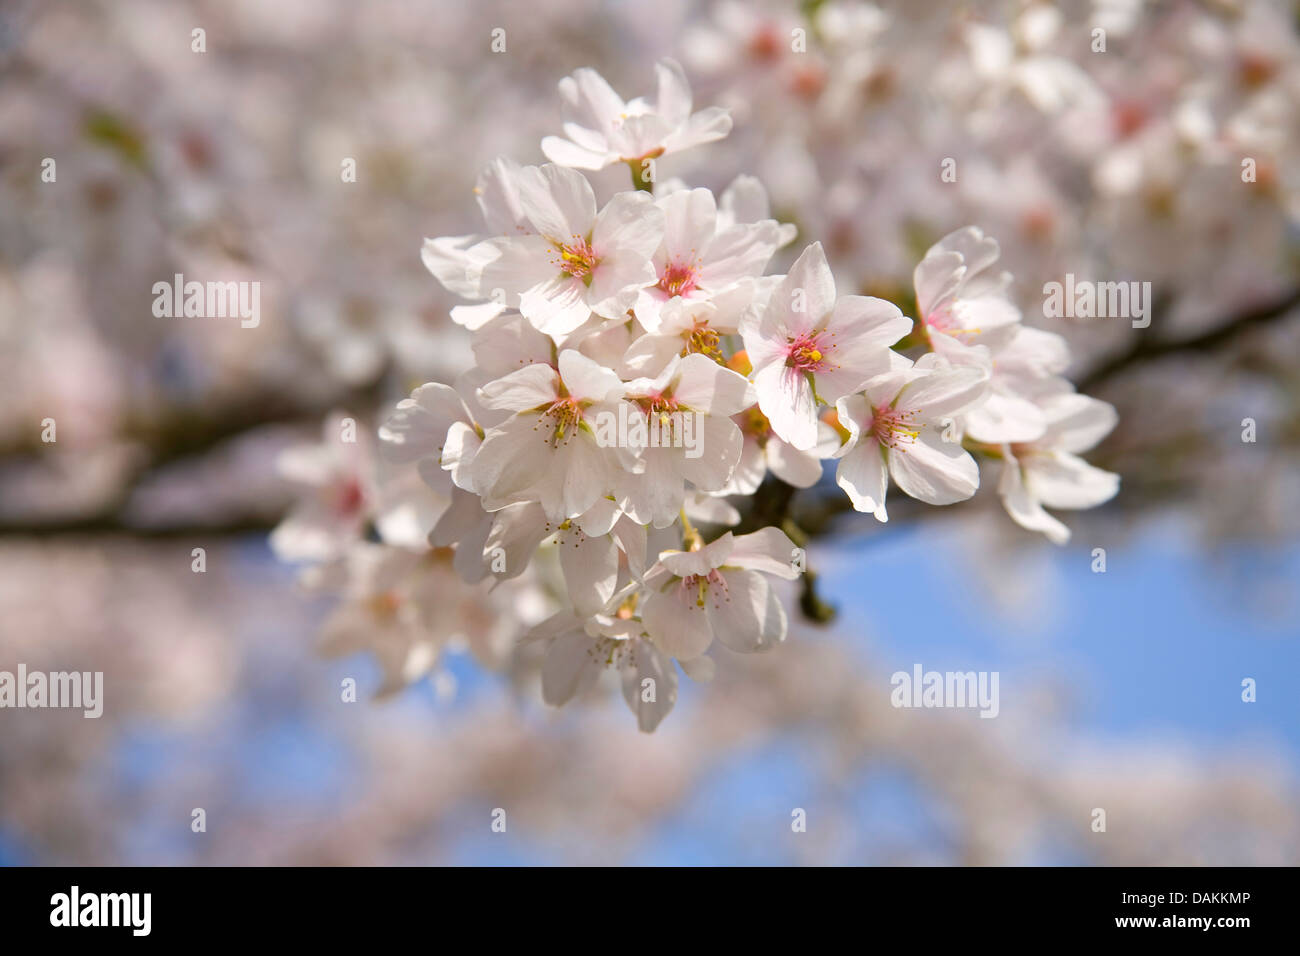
576,258
893,428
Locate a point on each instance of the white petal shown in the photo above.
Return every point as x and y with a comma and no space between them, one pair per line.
649,675
933,470
590,568
747,615
862,473
676,623
769,550
533,386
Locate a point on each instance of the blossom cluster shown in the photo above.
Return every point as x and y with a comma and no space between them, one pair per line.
639,373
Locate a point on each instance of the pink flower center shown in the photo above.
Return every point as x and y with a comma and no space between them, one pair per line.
577,259
678,278
351,498
807,353
942,320
705,584
567,415
893,428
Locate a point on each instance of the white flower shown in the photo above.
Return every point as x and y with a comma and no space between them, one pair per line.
687,327
688,409
764,451
960,302
896,429
547,452
603,130
697,259
448,257
806,345
433,429
390,608
339,495
1050,472
575,261
1022,368
717,591
581,649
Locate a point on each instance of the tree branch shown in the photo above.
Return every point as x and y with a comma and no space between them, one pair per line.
1146,348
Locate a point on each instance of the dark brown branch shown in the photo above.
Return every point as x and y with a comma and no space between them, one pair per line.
1147,348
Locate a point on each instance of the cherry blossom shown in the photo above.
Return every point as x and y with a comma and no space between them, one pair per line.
602,129
807,346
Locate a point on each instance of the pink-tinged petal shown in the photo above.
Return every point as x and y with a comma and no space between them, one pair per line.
571,666
556,306
1034,353
719,443
763,348
517,532
458,453
1024,509
563,152
933,470
936,277
689,220
746,615
712,555
655,495
590,568
617,282
474,317
706,126
506,266
706,386
673,97
557,201
630,222
977,250
745,200
769,550
586,380
1076,423
631,538
676,623
992,321
699,669
515,462
1004,418
449,261
497,191
417,428
863,475
599,518
588,99
750,469
803,469
738,252
462,515
943,392
509,342
786,398
1063,480
649,685
648,354
533,386
805,296
587,477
